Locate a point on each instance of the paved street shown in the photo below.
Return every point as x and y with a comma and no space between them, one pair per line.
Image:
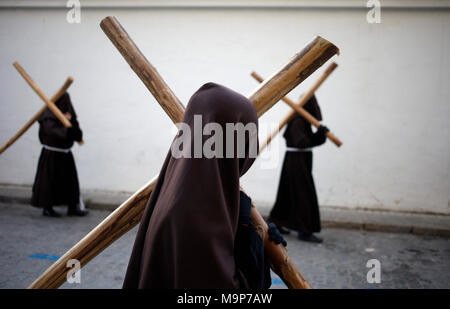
29,243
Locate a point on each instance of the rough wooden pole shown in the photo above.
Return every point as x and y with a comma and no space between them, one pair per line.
30,122
299,109
123,219
127,215
51,106
142,67
303,64
264,97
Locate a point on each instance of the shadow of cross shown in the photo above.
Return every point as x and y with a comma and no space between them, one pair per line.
127,215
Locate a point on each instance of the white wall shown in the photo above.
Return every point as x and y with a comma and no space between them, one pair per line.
388,99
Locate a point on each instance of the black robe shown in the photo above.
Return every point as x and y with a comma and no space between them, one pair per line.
56,181
249,255
296,206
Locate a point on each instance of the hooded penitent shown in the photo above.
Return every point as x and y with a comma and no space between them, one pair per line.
56,181
51,130
296,205
186,234
313,108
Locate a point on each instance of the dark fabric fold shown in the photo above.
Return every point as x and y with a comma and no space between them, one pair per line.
186,238
296,206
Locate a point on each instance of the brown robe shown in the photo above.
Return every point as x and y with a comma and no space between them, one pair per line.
56,181
186,237
296,206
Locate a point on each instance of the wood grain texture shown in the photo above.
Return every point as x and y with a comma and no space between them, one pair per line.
142,67
130,212
302,65
33,119
298,108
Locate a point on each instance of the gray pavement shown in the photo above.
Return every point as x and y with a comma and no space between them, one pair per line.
335,217
30,242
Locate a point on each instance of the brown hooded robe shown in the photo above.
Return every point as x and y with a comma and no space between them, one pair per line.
186,237
56,181
296,205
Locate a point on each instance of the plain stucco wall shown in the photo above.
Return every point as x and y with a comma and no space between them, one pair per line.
387,101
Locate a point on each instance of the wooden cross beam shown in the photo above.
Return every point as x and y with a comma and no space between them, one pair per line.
49,103
298,108
282,265
127,215
33,119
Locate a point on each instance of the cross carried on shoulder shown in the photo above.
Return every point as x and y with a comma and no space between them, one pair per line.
298,108
127,215
33,119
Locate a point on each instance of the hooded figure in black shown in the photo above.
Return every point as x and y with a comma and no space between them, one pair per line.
296,206
56,181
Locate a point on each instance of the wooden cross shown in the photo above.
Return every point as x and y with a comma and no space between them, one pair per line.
33,119
127,215
298,108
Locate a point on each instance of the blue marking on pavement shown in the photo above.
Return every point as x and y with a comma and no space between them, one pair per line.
44,257
277,281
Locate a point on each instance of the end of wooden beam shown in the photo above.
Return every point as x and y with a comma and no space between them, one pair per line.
331,68
300,67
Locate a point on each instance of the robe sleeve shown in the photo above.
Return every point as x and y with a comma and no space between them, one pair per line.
52,127
300,135
249,253
75,133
